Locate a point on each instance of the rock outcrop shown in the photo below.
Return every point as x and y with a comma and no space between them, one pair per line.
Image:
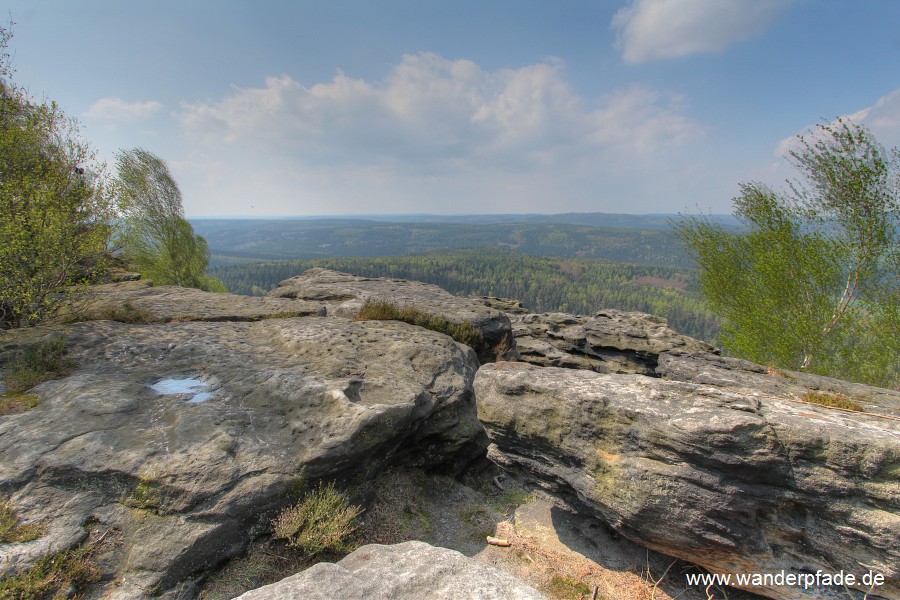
344,295
611,341
184,437
407,571
181,436
173,303
735,480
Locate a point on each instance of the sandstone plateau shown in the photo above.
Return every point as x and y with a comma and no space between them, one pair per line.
186,433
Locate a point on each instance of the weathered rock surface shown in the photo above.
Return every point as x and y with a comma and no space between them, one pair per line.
611,341
344,295
185,474
173,303
735,480
407,571
736,374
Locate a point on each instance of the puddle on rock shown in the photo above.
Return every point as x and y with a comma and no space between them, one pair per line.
169,387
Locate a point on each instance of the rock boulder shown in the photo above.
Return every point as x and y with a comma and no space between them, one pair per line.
611,341
407,571
344,295
186,437
735,480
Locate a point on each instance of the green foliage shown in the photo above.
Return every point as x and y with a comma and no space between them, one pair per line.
323,520
155,238
464,333
54,214
53,576
39,363
12,532
812,283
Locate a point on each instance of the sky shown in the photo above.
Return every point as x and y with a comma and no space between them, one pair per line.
333,107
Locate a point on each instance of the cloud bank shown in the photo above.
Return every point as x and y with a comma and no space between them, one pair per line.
649,30
119,111
432,113
436,126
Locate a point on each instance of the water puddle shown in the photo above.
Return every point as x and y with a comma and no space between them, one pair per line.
194,387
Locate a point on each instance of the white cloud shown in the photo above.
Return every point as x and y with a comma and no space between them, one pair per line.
662,29
438,135
118,110
437,115
882,119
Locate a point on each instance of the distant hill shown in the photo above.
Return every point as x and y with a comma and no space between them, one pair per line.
639,239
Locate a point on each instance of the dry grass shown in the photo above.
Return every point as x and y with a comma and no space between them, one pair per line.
381,310
16,402
832,401
262,564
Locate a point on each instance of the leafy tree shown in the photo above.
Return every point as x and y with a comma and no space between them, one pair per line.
811,282
155,238
53,212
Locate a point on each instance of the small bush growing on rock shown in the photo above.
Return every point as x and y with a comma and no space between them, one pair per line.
59,575
39,363
11,531
127,313
381,310
16,402
323,520
832,401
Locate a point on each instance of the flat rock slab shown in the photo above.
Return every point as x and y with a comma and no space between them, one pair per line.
732,480
344,295
736,374
186,436
407,571
172,303
610,341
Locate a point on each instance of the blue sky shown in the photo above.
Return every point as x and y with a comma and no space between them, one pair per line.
272,107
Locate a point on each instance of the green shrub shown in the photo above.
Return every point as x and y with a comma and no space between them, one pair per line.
39,363
381,310
11,531
323,520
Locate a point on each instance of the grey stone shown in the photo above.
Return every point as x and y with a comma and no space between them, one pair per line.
610,341
344,295
407,571
736,481
188,482
173,303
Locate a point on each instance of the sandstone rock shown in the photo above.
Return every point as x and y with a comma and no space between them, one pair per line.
186,468
174,303
611,341
737,374
508,305
735,480
407,571
344,295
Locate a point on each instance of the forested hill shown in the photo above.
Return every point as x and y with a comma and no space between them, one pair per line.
543,284
236,240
